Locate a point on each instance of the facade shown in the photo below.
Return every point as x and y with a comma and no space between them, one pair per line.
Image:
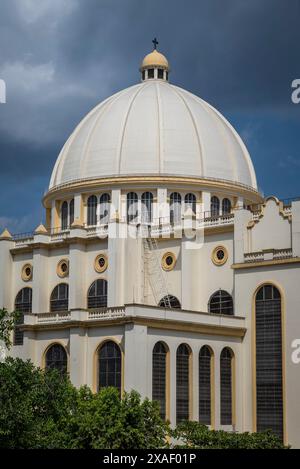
160,266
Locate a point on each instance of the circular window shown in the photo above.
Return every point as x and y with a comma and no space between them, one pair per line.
27,272
101,263
168,261
63,268
219,255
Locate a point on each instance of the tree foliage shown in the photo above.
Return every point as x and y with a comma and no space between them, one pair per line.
42,409
7,324
193,435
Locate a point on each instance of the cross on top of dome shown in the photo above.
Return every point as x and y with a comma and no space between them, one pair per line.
155,66
155,43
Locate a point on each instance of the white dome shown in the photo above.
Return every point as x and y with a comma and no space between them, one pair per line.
154,128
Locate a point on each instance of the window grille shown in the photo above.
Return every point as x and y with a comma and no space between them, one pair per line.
182,383
56,358
221,302
59,300
104,209
175,208
226,386
159,370
64,216
215,206
269,387
110,366
205,386
23,305
92,211
97,295
190,202
170,300
132,207
147,202
226,207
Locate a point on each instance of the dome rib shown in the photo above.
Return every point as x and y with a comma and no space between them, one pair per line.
121,141
227,149
160,137
175,89
63,153
87,145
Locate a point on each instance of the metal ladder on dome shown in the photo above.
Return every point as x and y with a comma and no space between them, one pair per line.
155,274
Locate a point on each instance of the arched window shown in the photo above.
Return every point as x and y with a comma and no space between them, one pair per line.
226,207
175,208
56,358
214,206
64,216
169,301
226,383
104,209
132,207
147,201
269,386
23,305
109,366
182,383
71,212
221,302
205,359
97,294
59,300
92,211
190,202
159,377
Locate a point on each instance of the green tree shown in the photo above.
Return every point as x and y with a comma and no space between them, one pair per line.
193,435
32,403
104,421
42,409
7,324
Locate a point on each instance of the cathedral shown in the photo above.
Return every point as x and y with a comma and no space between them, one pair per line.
160,266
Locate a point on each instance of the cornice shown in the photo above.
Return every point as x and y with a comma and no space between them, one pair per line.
234,188
174,325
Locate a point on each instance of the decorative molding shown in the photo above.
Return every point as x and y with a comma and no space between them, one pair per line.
62,268
101,263
260,212
252,265
234,188
27,272
165,265
184,326
214,256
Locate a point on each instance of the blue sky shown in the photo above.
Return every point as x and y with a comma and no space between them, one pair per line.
60,58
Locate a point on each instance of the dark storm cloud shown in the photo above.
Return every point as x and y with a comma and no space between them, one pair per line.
61,57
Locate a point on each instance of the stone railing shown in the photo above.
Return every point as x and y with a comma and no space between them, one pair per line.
282,253
96,230
159,227
268,255
218,221
57,236
106,313
24,241
254,257
57,317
